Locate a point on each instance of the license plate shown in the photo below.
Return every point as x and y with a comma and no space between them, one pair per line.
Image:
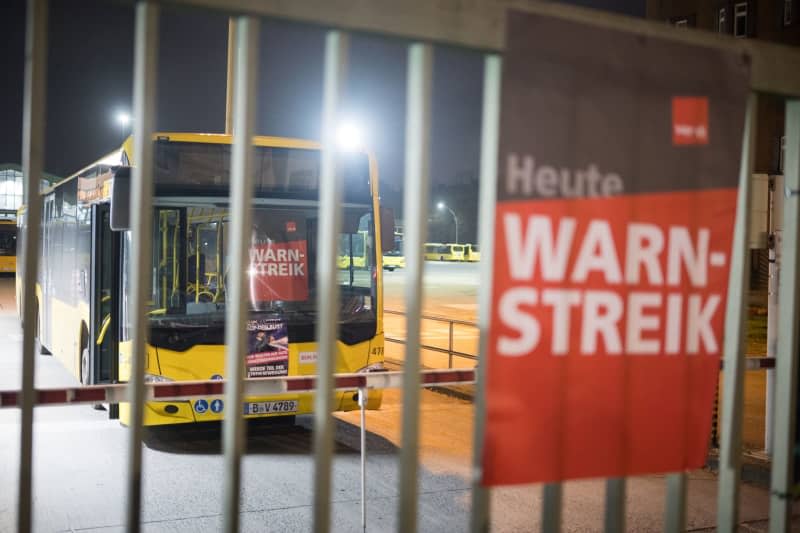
266,408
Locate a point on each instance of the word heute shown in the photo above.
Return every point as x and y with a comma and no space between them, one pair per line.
605,290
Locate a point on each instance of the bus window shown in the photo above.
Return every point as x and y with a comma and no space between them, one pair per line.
8,239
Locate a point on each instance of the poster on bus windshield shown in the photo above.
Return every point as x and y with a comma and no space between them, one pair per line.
267,348
617,187
278,266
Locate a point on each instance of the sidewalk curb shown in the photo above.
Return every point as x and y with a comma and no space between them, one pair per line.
461,392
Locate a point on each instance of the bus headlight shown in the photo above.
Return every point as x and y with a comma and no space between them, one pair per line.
156,378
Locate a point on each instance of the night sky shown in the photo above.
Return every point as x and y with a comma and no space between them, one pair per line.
90,64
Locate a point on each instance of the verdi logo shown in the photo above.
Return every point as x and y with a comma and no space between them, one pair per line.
689,120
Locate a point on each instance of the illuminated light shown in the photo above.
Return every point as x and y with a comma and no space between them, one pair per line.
440,205
123,118
349,137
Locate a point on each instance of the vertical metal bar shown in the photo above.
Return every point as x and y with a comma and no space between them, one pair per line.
330,194
362,404
490,135
450,347
229,76
772,336
733,370
241,190
145,57
675,513
32,168
786,364
415,205
551,507
615,505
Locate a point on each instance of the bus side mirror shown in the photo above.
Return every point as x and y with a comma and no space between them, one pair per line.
387,229
120,200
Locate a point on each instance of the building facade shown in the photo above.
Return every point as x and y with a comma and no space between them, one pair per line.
771,20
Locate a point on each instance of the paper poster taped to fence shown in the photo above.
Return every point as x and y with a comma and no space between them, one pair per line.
617,186
267,348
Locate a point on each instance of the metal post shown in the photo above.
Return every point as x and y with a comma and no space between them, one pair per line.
675,514
418,95
772,334
455,220
786,364
733,370
450,346
330,194
32,168
551,507
229,76
490,134
362,404
241,190
145,57
615,505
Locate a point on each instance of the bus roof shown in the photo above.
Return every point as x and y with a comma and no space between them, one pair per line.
124,155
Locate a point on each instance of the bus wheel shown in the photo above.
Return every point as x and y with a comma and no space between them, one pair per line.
85,366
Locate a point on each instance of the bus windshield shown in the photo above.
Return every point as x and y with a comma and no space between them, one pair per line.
191,271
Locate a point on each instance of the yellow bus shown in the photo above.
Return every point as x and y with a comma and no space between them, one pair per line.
472,253
444,252
8,245
394,258
82,290
354,250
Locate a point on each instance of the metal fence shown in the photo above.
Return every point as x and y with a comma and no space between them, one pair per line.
478,25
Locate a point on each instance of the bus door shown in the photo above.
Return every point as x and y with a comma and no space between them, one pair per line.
103,363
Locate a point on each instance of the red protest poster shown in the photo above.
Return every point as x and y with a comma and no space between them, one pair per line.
617,190
279,271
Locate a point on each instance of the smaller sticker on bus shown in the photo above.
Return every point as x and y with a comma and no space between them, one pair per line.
308,358
217,406
201,406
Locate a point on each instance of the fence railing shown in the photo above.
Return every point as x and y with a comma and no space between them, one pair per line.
751,363
450,350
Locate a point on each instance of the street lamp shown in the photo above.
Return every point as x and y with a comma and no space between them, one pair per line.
349,137
440,206
124,120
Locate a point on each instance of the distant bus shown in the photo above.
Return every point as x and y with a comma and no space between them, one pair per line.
444,252
83,287
394,258
353,250
472,252
8,245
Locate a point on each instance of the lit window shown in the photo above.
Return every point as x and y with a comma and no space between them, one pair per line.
740,20
787,12
722,23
